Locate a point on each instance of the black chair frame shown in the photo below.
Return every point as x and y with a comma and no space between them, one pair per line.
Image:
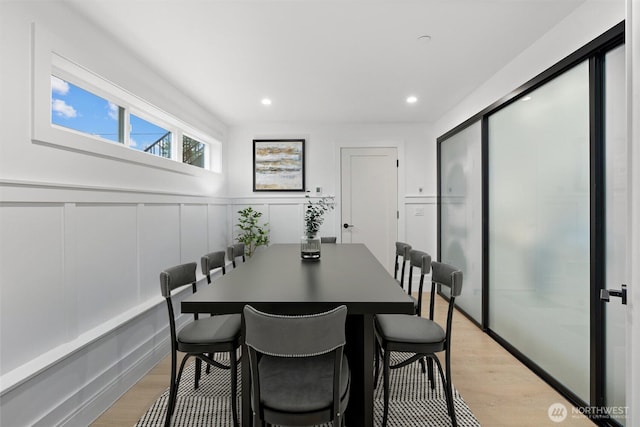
402,250
201,352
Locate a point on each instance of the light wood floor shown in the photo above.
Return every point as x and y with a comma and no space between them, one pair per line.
499,390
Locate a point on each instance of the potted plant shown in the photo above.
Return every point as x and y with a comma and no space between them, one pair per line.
252,234
313,219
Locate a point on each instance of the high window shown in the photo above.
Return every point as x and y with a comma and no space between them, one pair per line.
75,108
87,113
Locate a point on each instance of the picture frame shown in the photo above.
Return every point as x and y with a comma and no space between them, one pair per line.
278,165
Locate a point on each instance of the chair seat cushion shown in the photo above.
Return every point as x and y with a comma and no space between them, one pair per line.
409,329
300,384
211,330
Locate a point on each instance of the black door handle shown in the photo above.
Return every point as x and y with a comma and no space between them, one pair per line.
622,293
345,225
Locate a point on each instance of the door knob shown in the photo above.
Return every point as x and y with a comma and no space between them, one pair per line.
345,225
605,294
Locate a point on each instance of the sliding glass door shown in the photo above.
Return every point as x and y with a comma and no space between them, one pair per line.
461,213
539,228
553,226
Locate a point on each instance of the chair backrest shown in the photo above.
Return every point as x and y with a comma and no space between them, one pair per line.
295,336
445,275
422,261
235,251
175,277
210,261
327,239
402,250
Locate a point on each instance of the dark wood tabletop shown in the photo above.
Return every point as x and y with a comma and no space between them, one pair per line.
277,280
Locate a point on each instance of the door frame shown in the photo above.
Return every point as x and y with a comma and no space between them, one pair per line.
633,137
370,143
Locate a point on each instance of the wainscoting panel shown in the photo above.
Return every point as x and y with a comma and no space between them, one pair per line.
193,234
32,295
286,222
107,265
159,227
81,313
218,227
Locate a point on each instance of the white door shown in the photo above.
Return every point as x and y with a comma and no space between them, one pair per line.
370,200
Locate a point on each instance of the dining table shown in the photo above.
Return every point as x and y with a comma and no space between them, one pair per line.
277,280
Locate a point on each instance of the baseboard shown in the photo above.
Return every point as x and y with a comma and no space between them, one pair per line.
116,388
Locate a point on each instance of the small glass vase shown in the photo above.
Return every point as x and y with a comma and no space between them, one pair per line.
310,247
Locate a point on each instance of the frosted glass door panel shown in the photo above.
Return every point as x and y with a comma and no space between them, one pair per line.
539,227
616,226
461,213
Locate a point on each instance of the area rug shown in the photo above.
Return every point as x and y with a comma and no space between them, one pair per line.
412,402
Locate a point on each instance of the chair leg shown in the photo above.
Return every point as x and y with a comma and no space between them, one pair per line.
173,393
430,373
449,390
233,367
173,387
386,368
422,365
448,393
208,369
197,374
376,370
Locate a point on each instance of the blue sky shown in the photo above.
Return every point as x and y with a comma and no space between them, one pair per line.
78,109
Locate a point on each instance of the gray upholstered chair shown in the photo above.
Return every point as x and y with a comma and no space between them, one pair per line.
327,239
235,251
299,374
402,251
422,261
421,337
210,261
199,338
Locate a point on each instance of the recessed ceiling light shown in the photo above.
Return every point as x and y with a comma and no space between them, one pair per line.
266,101
412,99
526,98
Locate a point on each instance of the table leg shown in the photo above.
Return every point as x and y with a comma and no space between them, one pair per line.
359,349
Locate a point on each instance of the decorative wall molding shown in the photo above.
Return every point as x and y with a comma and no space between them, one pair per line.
31,191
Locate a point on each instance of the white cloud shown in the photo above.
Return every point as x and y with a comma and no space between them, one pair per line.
62,109
113,111
59,86
132,142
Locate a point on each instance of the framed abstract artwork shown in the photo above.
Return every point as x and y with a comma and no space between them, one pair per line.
278,165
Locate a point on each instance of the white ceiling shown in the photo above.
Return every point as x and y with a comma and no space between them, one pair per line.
326,61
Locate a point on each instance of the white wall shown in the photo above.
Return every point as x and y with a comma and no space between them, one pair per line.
587,22
83,237
417,155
